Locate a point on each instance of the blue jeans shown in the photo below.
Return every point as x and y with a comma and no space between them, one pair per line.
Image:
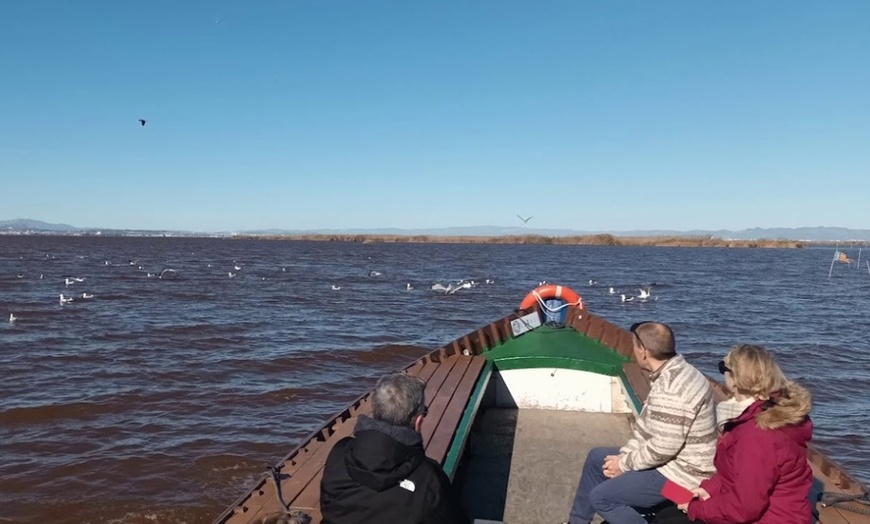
614,499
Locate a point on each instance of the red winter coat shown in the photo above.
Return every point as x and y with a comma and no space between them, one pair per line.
762,475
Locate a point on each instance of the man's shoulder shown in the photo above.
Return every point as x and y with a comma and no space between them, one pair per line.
339,450
683,380
684,372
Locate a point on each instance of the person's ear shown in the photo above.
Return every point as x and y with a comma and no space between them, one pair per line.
418,423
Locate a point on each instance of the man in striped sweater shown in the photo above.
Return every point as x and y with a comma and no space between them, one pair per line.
674,438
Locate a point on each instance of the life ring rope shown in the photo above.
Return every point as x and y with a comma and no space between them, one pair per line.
550,291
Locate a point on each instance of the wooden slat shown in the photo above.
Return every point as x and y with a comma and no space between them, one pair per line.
263,504
625,343
310,496
496,335
832,516
293,486
636,380
446,429
437,378
595,327
610,337
425,371
440,398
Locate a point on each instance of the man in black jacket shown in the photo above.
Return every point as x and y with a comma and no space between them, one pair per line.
382,473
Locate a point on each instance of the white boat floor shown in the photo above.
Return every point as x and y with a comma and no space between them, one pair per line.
523,466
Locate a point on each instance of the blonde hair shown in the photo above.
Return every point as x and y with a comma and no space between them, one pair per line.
755,372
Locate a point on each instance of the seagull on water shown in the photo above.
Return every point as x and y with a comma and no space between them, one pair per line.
592,282
375,273
12,318
449,289
644,294
468,284
626,299
335,288
237,267
231,274
87,296
611,290
65,300
409,287
490,281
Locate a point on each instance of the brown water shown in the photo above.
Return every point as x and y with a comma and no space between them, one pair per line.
161,401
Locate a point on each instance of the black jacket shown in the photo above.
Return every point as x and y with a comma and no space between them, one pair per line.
383,475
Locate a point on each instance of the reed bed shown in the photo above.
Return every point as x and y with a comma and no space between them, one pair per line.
579,240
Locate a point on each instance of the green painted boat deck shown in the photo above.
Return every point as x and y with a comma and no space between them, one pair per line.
556,347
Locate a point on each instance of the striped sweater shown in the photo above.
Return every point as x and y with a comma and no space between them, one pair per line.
675,432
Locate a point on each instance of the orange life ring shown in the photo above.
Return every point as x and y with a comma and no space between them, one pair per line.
548,291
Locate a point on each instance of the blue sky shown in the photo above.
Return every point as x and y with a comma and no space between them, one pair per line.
293,114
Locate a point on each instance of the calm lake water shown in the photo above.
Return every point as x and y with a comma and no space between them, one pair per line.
161,401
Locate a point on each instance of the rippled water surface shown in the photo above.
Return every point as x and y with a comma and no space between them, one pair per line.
161,401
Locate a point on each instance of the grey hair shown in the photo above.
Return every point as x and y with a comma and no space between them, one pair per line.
398,398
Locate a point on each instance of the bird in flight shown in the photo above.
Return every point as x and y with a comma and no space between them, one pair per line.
142,121
525,220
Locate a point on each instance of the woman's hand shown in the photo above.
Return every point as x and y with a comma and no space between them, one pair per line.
701,493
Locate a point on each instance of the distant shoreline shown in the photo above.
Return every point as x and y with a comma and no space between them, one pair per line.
579,240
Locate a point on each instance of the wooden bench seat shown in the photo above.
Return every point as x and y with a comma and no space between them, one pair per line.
449,384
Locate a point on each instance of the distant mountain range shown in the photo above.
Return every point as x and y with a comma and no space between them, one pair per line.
23,226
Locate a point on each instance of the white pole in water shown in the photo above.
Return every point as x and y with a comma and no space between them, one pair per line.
858,265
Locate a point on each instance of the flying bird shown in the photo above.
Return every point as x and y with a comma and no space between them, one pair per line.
525,220
142,122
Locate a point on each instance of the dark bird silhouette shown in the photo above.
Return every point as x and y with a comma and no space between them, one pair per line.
525,220
142,122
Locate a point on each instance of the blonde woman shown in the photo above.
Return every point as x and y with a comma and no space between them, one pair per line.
762,475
